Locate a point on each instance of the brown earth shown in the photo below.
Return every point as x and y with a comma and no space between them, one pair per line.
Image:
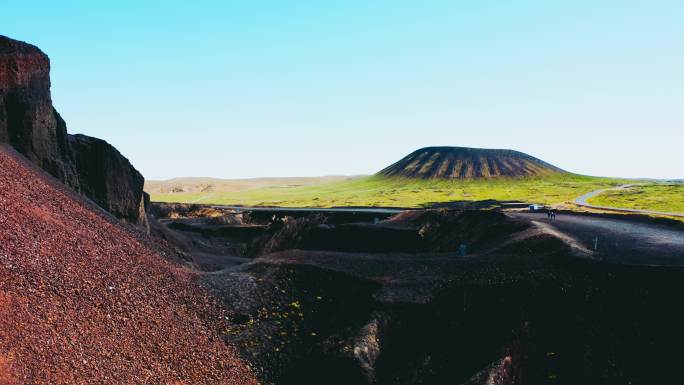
464,162
84,299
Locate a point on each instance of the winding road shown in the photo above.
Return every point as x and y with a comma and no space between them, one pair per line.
612,239
619,240
582,201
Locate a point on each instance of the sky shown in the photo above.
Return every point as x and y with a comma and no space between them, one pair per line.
238,89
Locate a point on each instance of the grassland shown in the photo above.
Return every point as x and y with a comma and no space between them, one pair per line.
211,185
654,197
382,191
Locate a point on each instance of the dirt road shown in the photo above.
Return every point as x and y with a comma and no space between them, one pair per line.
619,240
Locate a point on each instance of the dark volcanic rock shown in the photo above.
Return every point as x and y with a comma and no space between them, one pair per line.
30,124
27,119
322,318
107,177
518,308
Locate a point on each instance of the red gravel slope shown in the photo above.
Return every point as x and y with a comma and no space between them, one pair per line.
83,301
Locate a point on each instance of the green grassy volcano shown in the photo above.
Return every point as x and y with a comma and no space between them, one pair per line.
467,163
428,176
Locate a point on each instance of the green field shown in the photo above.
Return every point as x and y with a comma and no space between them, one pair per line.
655,197
402,192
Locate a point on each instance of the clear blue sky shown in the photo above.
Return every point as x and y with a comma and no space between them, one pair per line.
292,88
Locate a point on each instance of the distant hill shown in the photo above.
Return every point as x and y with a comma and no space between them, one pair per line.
466,163
216,185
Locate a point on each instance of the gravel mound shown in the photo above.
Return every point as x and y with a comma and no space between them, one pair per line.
82,300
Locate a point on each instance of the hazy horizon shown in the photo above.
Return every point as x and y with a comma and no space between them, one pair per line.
282,89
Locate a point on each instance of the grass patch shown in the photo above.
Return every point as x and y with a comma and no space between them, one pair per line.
654,197
404,192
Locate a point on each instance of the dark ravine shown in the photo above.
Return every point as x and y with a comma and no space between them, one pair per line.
521,309
30,124
344,300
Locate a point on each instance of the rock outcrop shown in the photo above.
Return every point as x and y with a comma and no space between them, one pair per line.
30,124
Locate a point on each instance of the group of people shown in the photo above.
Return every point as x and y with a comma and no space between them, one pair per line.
551,214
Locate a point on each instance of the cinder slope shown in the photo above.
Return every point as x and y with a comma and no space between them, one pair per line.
464,162
83,300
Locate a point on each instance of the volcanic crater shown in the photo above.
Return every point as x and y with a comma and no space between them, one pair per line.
466,163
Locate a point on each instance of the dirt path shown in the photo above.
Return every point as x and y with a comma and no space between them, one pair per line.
203,197
582,201
620,240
